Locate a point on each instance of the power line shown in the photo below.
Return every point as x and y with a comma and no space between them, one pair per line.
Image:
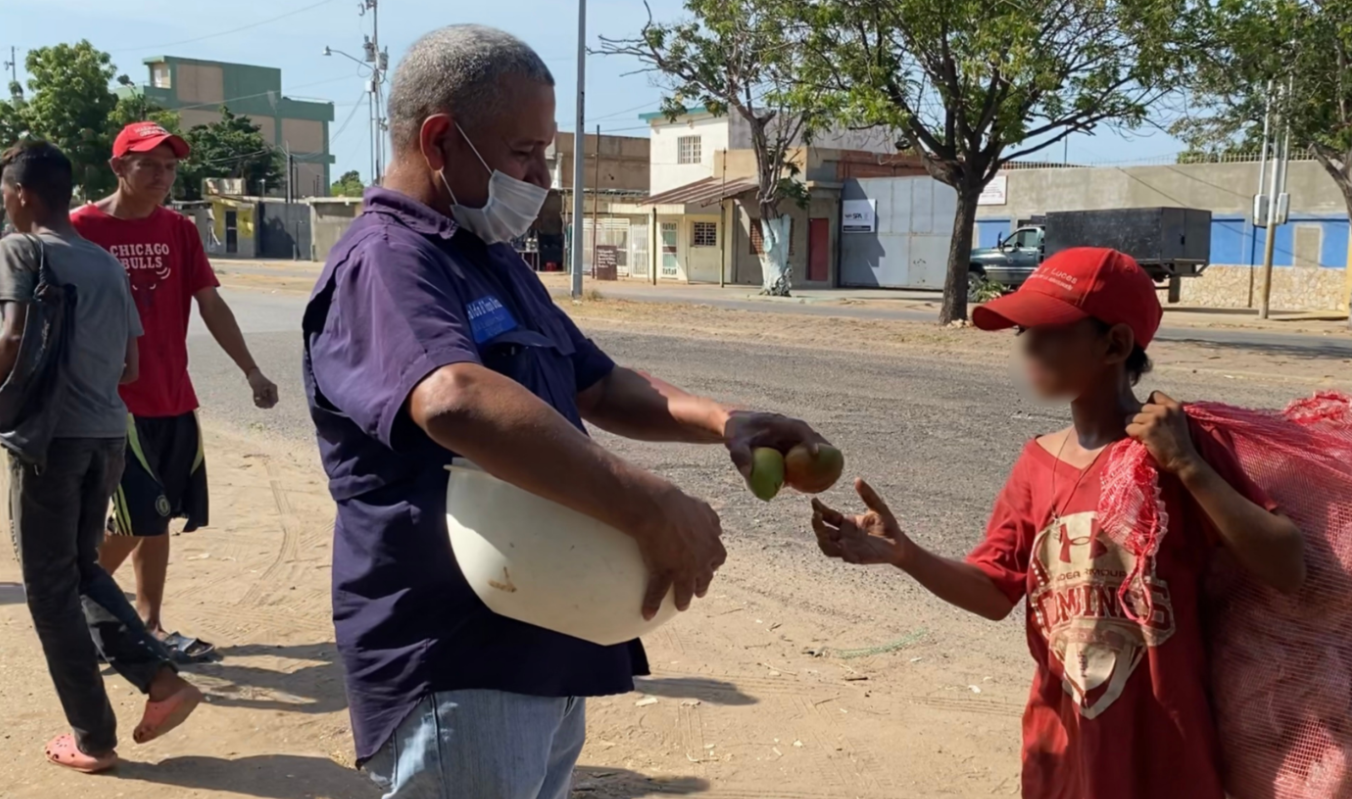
625,111
226,32
348,121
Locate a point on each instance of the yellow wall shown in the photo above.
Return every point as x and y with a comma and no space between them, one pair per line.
244,221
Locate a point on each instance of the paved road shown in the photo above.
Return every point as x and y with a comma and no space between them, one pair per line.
272,322
1258,339
936,438
1340,345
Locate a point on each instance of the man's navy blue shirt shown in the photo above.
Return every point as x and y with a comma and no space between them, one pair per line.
403,294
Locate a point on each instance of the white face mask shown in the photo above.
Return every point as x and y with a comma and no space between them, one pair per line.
511,209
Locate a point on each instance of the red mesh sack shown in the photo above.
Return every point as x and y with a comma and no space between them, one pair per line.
1281,665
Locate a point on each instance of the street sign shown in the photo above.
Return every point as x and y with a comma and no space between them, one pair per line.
605,262
859,216
996,192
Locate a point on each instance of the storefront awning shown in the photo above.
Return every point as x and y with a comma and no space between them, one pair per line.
708,191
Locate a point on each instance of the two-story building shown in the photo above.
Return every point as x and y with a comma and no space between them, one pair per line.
196,90
704,209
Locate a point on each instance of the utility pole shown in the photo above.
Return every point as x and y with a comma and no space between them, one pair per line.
13,66
1276,205
379,59
1261,203
290,194
579,129
724,221
596,199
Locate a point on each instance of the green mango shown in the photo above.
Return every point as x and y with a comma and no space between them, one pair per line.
767,472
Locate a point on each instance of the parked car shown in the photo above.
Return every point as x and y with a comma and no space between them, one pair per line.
1009,262
1170,243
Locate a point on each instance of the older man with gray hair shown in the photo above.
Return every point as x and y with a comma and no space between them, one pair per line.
428,338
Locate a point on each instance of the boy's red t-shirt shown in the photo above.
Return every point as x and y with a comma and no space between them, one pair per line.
167,266
1118,710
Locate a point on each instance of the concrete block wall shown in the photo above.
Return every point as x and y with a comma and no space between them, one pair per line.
1311,252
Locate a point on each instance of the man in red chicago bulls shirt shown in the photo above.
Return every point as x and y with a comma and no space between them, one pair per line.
1119,707
165,476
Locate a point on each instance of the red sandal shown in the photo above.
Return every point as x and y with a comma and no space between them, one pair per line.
62,751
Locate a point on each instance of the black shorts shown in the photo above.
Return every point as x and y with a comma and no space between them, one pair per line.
165,478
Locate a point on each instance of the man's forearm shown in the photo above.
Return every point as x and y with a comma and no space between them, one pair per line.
516,437
957,583
1265,543
642,407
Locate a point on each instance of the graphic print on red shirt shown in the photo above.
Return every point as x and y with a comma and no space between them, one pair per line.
1074,576
1118,710
167,266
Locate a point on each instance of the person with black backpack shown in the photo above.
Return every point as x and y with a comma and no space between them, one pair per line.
67,340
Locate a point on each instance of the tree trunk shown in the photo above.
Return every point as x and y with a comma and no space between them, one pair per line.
954,308
776,274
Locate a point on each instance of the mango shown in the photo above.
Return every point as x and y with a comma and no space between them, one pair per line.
813,475
767,472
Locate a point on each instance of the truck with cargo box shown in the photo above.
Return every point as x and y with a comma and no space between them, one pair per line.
1170,243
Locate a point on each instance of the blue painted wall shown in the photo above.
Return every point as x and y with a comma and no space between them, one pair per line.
989,232
1234,240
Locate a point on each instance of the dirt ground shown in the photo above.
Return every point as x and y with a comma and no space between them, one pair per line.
757,692
744,696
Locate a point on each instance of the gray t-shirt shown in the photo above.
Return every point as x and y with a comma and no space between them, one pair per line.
105,318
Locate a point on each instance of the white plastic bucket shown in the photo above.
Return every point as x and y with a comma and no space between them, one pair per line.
536,561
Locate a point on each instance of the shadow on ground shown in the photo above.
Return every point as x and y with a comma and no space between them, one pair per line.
316,688
715,692
301,777
595,782
1305,348
262,776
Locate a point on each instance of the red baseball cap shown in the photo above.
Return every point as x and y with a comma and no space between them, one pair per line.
1078,284
142,137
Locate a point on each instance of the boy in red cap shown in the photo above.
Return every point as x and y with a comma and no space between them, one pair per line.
1119,709
165,476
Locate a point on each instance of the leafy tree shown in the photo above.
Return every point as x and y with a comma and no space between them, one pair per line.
68,105
349,185
232,147
1303,50
971,85
138,109
735,57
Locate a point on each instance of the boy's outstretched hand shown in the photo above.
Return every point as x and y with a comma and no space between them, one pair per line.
869,539
1162,427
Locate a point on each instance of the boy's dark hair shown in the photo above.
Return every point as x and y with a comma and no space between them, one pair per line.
1138,364
40,167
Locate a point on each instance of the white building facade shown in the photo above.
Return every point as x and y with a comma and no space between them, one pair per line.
683,150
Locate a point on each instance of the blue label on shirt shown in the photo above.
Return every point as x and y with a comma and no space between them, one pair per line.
489,318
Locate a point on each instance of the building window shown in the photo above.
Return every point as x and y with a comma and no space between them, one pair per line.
689,150
159,75
704,234
757,238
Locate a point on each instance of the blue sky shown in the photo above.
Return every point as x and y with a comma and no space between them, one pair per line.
134,29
